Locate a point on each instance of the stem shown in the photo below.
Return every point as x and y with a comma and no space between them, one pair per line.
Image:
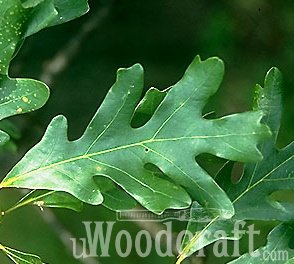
24,202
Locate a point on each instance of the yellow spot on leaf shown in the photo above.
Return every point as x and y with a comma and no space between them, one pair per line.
25,99
19,110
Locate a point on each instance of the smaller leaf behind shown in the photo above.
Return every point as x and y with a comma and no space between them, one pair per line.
69,10
147,106
44,198
251,195
114,197
276,251
19,257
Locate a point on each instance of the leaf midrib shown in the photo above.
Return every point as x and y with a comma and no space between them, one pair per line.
17,98
141,143
262,179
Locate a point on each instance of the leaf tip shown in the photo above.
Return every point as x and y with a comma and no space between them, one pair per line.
57,127
136,68
59,120
213,59
274,72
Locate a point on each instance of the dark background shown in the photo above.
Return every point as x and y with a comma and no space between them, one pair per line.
250,36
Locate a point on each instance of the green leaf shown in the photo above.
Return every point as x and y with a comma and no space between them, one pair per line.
19,257
202,222
274,173
10,128
20,19
17,23
18,96
69,10
147,106
276,251
170,140
114,197
251,196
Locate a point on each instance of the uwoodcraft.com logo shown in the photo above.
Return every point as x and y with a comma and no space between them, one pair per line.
157,234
